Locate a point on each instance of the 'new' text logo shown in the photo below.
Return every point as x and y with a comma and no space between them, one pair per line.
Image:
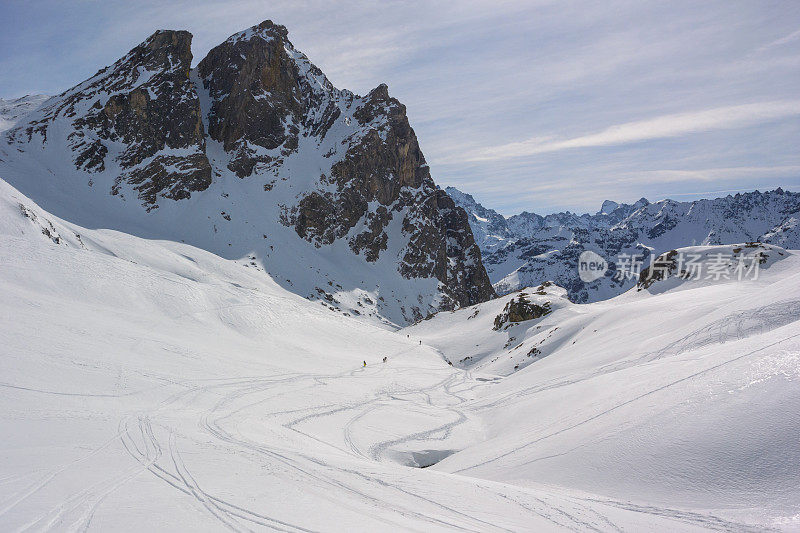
591,266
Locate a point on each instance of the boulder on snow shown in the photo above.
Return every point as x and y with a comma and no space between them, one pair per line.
520,309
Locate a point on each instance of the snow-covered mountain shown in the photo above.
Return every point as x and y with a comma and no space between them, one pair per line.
152,384
528,249
11,110
254,155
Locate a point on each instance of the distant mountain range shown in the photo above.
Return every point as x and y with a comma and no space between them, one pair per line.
526,249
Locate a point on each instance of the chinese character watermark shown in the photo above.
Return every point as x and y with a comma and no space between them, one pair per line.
692,266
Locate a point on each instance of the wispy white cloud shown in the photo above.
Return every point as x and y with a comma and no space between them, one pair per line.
709,174
794,36
673,125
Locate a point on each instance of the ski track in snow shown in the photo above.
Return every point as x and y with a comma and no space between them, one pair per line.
137,399
162,457
734,327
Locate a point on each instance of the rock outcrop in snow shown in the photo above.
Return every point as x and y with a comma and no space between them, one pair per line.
255,155
520,309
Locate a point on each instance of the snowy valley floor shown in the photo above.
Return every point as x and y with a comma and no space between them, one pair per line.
153,386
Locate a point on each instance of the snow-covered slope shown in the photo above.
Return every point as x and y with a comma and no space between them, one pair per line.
527,249
153,385
684,393
785,234
254,155
12,109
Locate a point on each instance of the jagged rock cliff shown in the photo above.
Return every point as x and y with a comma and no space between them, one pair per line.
139,119
256,156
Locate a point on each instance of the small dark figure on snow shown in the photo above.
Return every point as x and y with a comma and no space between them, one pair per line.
384,359
365,363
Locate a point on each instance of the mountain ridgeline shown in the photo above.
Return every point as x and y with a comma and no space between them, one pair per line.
526,249
256,156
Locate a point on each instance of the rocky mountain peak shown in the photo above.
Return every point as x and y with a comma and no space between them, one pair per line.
164,55
166,46
381,92
276,160
266,30
608,207
263,94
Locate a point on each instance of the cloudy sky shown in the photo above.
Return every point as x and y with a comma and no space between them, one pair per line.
536,105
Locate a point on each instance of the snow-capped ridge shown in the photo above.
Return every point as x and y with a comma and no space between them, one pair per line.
607,207
266,30
785,234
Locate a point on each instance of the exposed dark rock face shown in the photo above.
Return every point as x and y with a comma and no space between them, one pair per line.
388,157
170,176
520,309
145,103
264,93
463,274
663,267
387,167
383,164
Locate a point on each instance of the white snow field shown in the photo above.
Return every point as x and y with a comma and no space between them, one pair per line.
149,385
